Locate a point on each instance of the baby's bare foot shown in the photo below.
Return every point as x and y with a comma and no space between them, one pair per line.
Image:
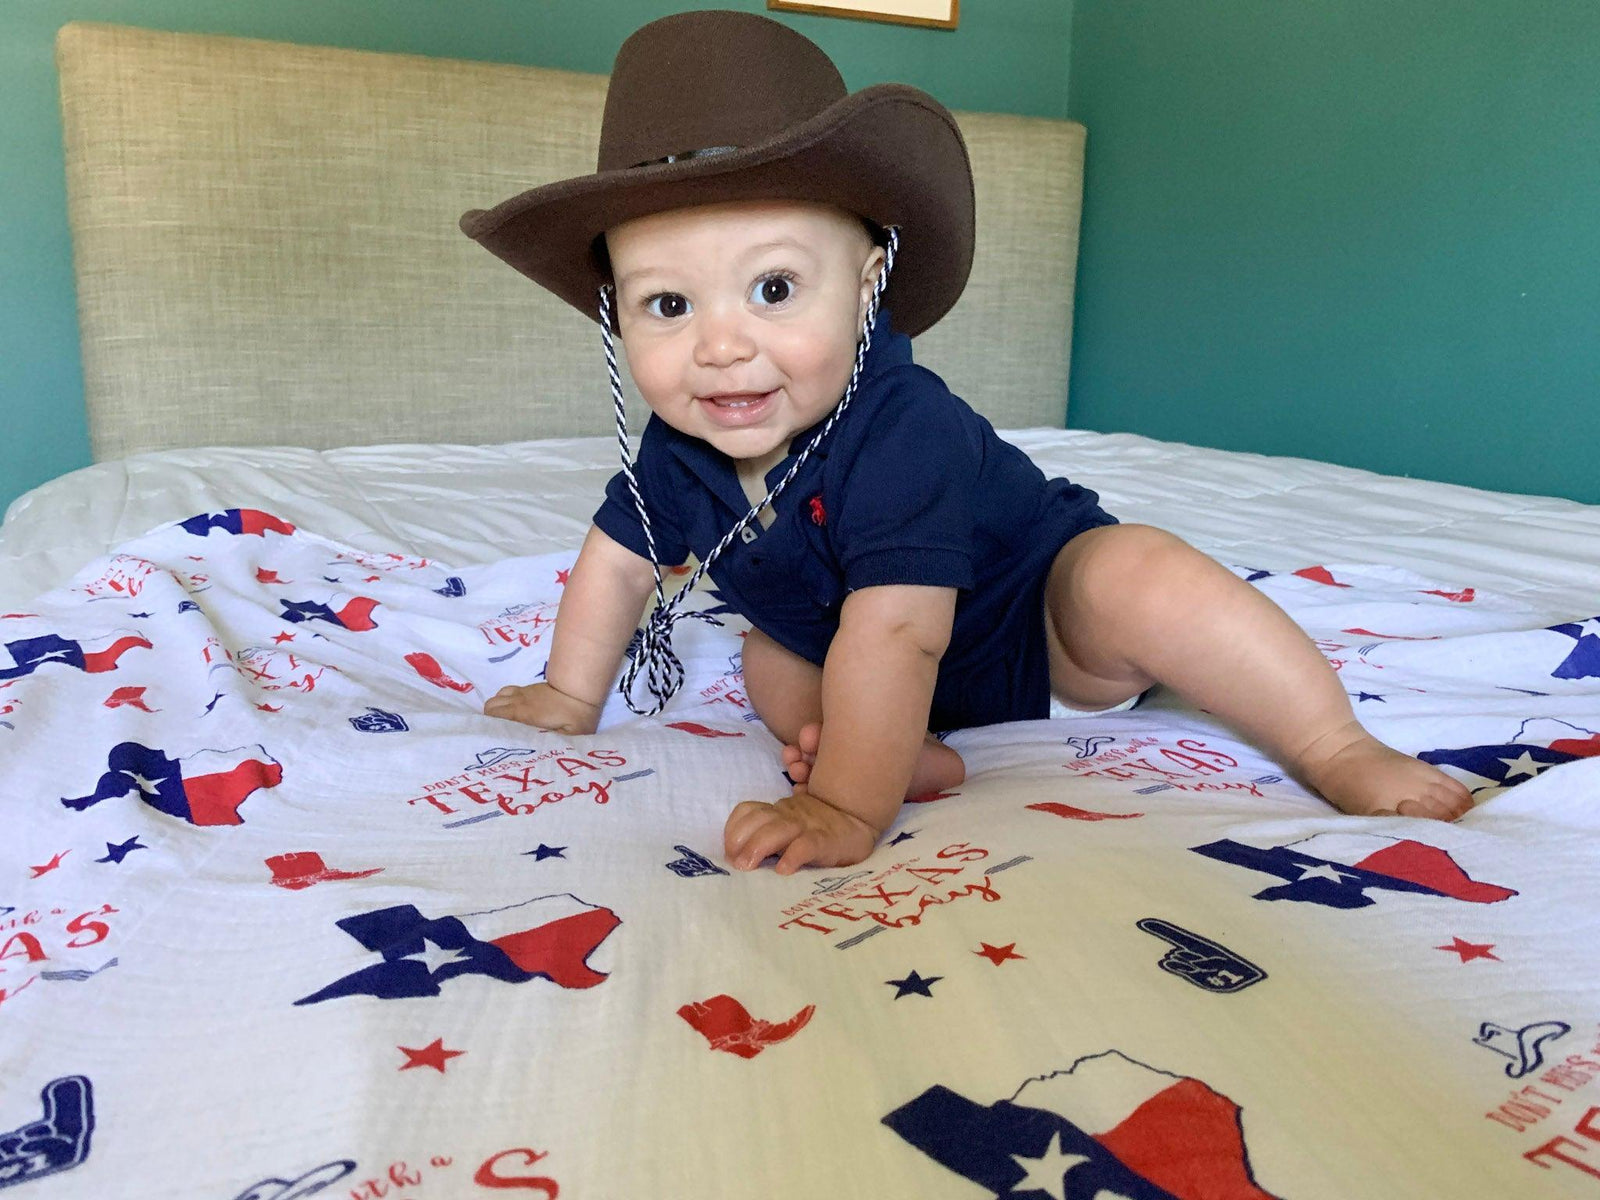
1356,773
938,766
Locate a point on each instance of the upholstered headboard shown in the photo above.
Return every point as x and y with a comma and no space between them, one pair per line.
266,249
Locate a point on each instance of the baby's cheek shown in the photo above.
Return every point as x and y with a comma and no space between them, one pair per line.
655,377
822,365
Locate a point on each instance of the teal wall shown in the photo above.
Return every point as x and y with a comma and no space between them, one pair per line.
1356,230
1008,56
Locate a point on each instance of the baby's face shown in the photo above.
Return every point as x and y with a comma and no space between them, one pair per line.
740,320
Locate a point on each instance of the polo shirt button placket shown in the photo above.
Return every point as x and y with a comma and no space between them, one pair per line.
747,534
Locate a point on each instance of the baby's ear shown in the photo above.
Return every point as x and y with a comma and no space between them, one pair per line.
870,270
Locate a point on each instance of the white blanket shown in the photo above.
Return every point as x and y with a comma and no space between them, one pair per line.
285,914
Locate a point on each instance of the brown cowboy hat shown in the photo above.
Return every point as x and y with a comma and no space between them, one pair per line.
710,107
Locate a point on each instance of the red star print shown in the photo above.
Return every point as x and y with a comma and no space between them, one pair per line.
270,707
265,576
1470,950
49,866
561,576
432,1055
372,579
281,638
999,954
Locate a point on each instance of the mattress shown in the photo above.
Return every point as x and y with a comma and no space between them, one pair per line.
287,915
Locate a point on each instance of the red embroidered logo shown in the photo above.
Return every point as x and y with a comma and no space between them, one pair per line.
819,515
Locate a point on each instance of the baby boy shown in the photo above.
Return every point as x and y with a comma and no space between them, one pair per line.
914,572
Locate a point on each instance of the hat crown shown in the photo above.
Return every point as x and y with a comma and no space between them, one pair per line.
704,80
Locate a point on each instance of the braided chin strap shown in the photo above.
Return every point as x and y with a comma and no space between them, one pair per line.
663,670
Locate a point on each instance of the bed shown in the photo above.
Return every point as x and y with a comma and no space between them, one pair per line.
285,915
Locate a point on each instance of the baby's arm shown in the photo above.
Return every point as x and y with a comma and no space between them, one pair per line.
877,688
600,609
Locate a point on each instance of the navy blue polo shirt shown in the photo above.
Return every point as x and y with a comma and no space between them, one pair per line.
911,487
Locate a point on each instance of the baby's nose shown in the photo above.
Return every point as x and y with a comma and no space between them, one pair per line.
722,342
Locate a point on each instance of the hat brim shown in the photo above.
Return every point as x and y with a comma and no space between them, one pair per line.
890,153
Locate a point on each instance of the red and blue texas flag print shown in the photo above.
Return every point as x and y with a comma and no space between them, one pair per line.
27,655
1533,749
549,937
236,521
204,788
347,612
1107,1126
1338,869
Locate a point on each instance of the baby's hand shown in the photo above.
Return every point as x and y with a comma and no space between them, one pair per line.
805,831
544,706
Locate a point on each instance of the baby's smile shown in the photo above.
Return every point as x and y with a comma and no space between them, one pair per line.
736,409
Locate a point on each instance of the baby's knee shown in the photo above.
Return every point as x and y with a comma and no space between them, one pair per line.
1114,566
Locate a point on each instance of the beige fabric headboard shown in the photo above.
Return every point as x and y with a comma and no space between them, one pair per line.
266,250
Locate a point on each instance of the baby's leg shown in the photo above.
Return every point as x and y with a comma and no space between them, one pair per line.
786,692
784,689
1128,606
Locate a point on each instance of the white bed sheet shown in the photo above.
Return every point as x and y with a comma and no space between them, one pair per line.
477,504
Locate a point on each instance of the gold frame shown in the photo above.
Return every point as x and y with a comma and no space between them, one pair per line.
867,14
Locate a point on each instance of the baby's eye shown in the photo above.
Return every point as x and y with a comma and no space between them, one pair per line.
772,289
667,304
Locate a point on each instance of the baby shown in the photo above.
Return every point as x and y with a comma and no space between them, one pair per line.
904,569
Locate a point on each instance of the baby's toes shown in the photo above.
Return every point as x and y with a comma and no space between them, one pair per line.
1449,799
1436,805
1456,803
796,766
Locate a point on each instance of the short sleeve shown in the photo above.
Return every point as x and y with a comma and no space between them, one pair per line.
618,517
911,508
